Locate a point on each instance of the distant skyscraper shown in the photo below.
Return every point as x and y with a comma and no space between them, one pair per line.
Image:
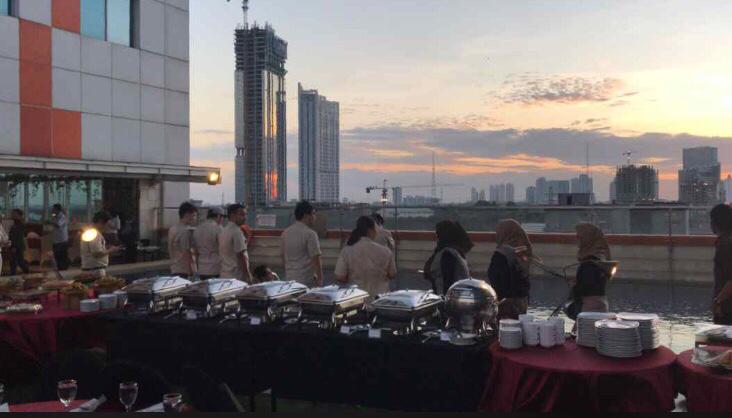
583,184
501,193
510,193
319,126
634,184
699,180
553,188
541,195
531,195
398,200
481,195
260,113
473,195
728,188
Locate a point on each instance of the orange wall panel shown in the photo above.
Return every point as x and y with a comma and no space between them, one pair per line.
35,131
66,134
67,15
35,42
35,84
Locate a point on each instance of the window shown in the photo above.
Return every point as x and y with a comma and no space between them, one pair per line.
108,20
6,7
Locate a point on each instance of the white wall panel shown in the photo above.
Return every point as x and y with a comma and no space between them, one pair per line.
176,33
125,99
152,69
96,94
153,104
125,63
176,108
152,26
9,80
96,137
9,34
153,143
66,50
35,10
96,57
176,75
177,140
66,89
126,140
9,128
181,4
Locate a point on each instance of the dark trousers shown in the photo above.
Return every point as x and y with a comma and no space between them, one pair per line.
61,255
17,259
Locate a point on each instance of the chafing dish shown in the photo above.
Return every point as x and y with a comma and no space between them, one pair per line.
406,307
270,298
213,296
471,306
331,305
156,294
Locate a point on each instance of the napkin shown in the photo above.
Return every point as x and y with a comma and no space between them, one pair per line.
91,406
154,408
4,408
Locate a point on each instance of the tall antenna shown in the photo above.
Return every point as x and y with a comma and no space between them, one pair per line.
245,10
434,177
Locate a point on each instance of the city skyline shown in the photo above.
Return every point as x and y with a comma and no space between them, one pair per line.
496,89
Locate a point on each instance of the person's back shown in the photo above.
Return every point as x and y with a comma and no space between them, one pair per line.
385,238
301,244
206,238
367,265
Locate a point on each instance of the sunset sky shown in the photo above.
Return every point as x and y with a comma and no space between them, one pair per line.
500,90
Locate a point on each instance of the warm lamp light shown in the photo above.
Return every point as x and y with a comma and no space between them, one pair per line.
214,178
89,235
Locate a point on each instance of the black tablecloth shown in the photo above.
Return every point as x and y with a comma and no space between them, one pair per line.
303,362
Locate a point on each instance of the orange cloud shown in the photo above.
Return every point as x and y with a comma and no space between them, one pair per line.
390,153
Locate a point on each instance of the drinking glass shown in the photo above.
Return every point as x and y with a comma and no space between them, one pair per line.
128,394
66,391
172,402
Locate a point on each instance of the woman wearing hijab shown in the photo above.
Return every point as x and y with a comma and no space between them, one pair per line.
508,272
448,264
589,287
365,263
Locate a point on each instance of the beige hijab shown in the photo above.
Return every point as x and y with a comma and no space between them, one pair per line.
509,232
592,242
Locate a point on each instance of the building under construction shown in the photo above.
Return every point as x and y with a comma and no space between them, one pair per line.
635,184
261,141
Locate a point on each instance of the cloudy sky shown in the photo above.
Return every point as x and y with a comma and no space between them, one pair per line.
499,90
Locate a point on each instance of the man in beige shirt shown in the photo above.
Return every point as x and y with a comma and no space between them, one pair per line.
300,248
94,251
206,238
180,242
233,246
364,263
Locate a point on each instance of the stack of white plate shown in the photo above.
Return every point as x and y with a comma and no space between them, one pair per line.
108,301
619,339
586,335
649,332
89,305
510,338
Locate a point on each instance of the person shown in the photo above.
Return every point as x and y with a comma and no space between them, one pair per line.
111,229
206,238
300,248
508,272
248,233
383,236
180,242
721,223
588,291
233,246
60,237
264,274
363,262
17,243
4,241
94,251
448,264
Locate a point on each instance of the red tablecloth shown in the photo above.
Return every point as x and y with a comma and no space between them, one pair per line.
52,406
39,336
573,378
706,390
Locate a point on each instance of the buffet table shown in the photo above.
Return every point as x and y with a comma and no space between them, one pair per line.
572,378
44,407
706,390
306,363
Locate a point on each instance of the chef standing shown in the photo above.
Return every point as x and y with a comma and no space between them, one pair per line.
300,248
233,246
180,242
206,238
94,251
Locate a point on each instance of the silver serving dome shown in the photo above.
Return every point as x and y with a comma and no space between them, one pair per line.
406,299
471,306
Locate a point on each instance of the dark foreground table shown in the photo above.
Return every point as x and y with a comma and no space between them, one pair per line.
306,363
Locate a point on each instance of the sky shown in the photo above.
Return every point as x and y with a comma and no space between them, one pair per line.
500,91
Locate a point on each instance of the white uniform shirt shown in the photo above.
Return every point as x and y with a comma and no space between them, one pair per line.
206,238
232,243
367,265
89,260
300,244
180,242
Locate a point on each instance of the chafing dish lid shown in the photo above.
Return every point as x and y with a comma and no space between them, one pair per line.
406,299
213,287
273,289
156,284
332,294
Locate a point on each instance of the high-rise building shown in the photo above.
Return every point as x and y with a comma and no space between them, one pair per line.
260,112
699,179
94,110
728,188
636,184
553,189
531,195
319,147
397,192
501,193
473,195
481,195
584,185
